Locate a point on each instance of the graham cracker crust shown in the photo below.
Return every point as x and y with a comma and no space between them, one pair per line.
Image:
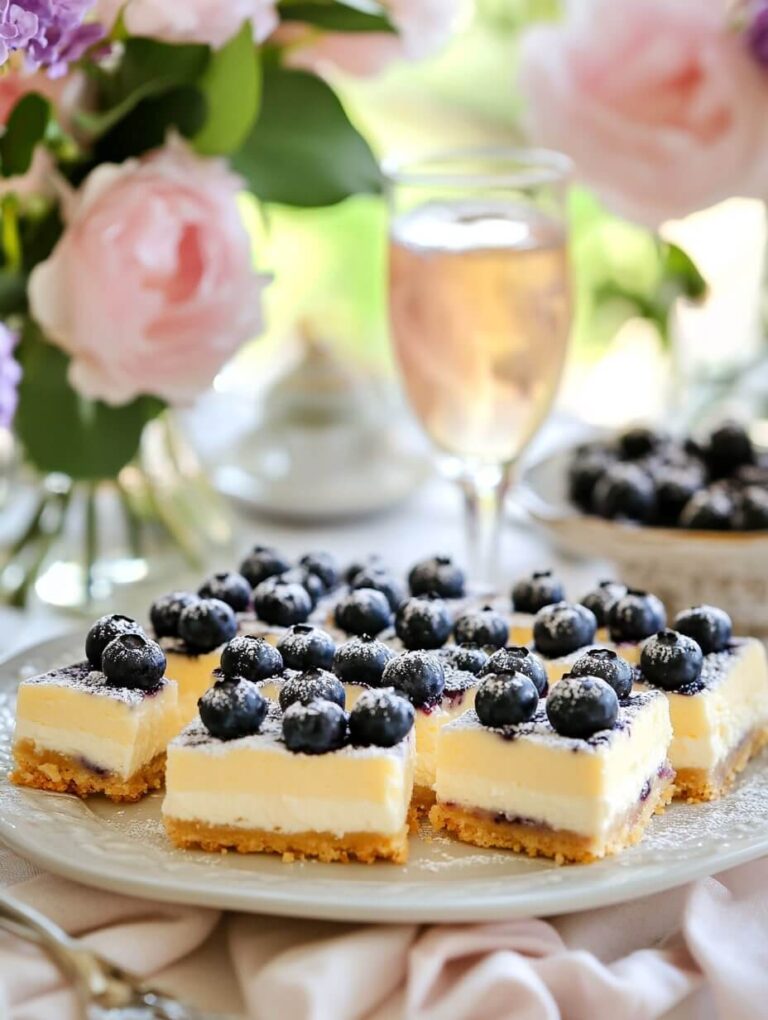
696,785
49,770
365,847
481,828
422,799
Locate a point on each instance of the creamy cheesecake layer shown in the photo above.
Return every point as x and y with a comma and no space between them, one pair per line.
75,713
715,714
256,783
191,672
629,650
271,689
529,772
520,628
459,697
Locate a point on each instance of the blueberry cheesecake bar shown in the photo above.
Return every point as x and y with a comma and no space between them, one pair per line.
717,689
100,726
573,779
306,782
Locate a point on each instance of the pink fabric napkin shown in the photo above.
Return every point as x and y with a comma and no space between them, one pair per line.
697,952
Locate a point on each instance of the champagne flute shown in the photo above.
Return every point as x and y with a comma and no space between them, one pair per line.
480,313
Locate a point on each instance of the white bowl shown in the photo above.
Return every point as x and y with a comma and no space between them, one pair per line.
684,568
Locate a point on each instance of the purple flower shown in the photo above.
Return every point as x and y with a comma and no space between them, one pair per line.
50,33
757,32
10,374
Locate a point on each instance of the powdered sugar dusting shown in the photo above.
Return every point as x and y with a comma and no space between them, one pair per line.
81,677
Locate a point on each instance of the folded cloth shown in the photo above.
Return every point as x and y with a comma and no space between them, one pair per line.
694,953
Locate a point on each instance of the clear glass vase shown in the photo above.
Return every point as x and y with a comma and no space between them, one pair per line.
80,544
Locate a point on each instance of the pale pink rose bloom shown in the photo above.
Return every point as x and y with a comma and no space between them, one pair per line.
151,287
424,27
658,103
190,21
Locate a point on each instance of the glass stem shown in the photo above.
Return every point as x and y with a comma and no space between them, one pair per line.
485,490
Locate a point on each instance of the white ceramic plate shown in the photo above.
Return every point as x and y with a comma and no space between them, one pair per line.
122,848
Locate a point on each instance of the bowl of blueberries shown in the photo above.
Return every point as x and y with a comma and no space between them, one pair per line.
686,517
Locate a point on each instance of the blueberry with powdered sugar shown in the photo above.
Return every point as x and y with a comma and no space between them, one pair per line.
468,657
312,685
635,616
371,562
281,603
380,580
607,665
418,675
530,594
206,624
423,621
106,629
363,611
310,582
362,660
671,660
517,659
251,657
232,708
322,565
710,627
228,586
438,575
505,699
563,628
164,612
579,707
132,660
381,718
316,728
263,561
307,647
601,598
483,626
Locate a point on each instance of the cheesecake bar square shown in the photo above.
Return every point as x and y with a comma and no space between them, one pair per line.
77,733
530,789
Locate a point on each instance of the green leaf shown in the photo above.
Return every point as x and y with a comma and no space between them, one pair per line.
60,431
146,126
303,150
232,89
680,269
25,129
13,293
338,17
146,60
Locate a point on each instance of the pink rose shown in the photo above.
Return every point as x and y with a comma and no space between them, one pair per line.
190,21
424,27
658,103
151,287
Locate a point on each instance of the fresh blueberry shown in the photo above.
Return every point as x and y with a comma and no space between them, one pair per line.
251,657
710,509
312,685
542,588
607,665
709,627
675,486
516,659
372,562
307,647
754,474
105,630
381,718
505,699
438,575
728,448
752,509
281,604
600,599
671,660
380,580
362,660
563,628
316,728
639,442
262,562
363,611
164,612
467,657
582,706
311,583
230,587
418,675
206,624
625,491
635,616
232,708
132,660
584,472
482,627
423,622
322,565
